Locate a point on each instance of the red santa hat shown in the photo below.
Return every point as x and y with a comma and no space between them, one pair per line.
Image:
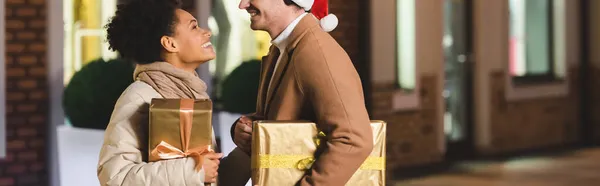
320,8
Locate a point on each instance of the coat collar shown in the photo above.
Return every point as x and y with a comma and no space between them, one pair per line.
308,22
281,41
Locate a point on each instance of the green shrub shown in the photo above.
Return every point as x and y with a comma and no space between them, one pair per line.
91,94
240,88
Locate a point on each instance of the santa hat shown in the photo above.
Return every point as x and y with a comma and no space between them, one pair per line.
320,8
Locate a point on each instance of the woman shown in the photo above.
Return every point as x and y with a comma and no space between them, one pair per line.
167,45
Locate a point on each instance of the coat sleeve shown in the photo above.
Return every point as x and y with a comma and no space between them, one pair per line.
121,162
332,87
234,169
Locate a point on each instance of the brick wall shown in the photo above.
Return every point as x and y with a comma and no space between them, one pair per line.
516,125
411,139
27,102
414,140
533,123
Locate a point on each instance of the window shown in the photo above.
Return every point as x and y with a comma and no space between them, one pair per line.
2,86
85,36
405,42
535,40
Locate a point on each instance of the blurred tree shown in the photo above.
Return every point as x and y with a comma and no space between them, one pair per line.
240,88
90,96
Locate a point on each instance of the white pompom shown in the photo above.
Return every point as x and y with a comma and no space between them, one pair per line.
306,4
329,22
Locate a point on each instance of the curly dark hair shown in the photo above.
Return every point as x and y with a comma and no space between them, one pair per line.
135,30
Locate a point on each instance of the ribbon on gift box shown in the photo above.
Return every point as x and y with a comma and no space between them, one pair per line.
304,162
166,151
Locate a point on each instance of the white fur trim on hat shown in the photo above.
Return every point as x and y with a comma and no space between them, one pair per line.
306,4
329,22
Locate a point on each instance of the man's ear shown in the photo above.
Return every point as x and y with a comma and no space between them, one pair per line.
169,44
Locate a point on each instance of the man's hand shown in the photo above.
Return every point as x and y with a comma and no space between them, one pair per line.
243,134
211,167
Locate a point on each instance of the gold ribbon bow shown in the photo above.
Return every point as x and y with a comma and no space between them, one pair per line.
166,151
306,163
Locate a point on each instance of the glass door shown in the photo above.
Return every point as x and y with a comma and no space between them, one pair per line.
457,92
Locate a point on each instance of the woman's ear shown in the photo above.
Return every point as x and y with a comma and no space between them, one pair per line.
169,44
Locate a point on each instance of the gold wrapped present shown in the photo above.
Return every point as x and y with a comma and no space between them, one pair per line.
283,151
180,128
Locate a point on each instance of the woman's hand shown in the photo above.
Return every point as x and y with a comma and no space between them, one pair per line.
211,166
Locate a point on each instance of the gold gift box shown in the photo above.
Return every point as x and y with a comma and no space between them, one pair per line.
179,128
281,151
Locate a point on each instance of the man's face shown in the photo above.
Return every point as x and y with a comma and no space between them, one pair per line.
263,13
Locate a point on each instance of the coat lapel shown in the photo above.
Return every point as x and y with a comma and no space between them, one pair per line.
278,74
301,29
268,63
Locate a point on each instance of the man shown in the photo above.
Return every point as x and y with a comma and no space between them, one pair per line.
308,76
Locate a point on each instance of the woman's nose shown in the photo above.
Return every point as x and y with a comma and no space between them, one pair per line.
206,32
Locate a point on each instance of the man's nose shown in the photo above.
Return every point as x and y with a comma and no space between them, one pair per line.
244,4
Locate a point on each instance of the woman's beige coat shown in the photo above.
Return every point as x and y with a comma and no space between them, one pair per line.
123,157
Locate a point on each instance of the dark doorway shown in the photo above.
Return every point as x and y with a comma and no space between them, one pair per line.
586,110
457,42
